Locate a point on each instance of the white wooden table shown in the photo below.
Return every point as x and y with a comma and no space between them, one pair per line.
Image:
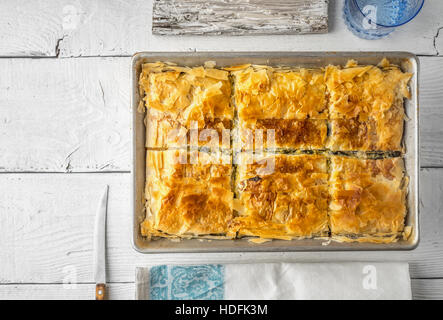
65,125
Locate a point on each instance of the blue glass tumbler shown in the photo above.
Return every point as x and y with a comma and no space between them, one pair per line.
375,19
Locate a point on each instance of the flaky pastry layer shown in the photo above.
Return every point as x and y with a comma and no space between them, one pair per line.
184,98
366,106
262,92
187,194
281,196
279,134
368,197
356,110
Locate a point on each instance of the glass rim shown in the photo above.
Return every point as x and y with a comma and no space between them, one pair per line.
396,25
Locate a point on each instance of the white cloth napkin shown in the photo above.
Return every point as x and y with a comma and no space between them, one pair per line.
351,280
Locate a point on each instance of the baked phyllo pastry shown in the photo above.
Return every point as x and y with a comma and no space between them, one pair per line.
315,153
366,106
288,106
181,102
368,199
188,194
281,196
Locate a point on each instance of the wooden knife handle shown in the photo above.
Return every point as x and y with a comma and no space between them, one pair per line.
100,291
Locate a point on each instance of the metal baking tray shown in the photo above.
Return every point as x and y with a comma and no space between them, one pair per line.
407,61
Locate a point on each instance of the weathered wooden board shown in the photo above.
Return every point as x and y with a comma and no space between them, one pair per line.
239,17
63,115
73,115
421,289
49,222
123,27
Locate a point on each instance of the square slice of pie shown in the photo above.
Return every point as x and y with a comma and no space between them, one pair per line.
282,109
187,194
366,106
281,196
368,199
186,106
382,134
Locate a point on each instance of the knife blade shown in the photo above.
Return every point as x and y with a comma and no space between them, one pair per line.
99,252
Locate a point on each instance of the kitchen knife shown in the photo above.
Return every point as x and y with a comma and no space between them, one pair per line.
100,247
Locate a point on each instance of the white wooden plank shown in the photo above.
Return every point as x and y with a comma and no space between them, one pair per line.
438,41
47,224
239,17
115,291
70,100
47,227
65,115
30,28
61,115
83,42
427,289
421,289
431,111
123,27
42,27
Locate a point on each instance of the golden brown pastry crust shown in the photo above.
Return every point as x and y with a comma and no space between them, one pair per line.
307,134
262,92
366,106
383,134
184,98
367,197
186,199
281,196
163,132
292,103
275,196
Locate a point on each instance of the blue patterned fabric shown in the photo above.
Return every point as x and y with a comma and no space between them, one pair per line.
203,282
